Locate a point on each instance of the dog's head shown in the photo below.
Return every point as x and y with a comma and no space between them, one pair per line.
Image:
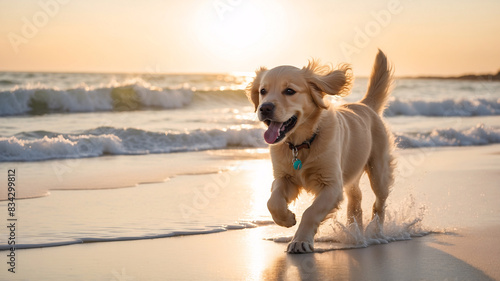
285,97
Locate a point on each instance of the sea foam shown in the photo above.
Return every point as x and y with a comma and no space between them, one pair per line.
42,242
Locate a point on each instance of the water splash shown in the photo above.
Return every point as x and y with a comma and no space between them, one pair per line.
401,223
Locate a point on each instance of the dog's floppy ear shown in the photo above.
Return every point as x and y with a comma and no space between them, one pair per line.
252,90
324,80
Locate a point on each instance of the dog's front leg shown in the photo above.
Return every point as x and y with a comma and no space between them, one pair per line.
282,193
326,200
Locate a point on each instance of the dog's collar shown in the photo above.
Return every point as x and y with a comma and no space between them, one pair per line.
297,164
306,144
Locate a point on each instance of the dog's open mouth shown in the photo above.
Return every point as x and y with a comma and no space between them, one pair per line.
276,131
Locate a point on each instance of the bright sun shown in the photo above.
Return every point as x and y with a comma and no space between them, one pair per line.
239,32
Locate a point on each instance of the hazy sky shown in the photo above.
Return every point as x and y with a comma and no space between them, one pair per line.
421,37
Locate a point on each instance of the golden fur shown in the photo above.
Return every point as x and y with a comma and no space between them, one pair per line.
351,139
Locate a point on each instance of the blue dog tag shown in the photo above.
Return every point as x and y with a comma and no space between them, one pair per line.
297,164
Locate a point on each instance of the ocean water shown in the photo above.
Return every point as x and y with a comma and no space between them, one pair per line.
57,116
62,130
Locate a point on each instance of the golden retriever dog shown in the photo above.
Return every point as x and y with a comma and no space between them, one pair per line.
320,148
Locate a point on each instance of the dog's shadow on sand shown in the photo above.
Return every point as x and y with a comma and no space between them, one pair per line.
405,260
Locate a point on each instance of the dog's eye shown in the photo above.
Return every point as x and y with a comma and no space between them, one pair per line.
263,91
289,92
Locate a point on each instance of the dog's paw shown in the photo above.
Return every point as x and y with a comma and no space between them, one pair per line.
300,247
287,221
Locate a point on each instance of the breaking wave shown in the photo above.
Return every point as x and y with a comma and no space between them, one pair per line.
445,107
43,145
139,95
41,100
478,135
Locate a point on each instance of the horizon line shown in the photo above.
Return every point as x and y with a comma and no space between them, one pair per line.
245,73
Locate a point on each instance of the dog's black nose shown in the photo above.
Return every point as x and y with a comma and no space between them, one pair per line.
266,110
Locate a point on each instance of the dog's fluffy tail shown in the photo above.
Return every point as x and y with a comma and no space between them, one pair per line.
380,84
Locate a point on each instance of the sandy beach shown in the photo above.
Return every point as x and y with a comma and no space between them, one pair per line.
454,192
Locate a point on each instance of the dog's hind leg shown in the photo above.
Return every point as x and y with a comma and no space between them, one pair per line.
380,172
354,196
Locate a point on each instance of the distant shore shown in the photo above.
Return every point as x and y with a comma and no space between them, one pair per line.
480,77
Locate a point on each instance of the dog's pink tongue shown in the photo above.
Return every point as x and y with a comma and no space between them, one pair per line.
273,132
